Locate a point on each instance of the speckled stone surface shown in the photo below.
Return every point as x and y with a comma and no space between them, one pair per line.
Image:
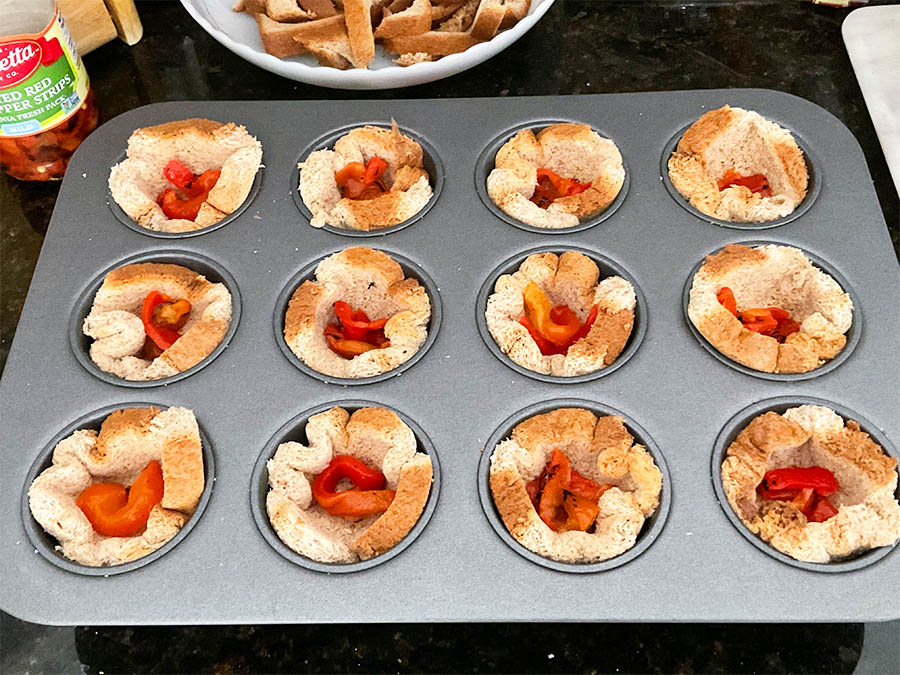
579,47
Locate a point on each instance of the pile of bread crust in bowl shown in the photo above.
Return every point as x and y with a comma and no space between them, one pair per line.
769,308
115,496
556,178
574,487
554,315
154,320
185,175
812,485
373,178
359,317
343,33
353,491
735,165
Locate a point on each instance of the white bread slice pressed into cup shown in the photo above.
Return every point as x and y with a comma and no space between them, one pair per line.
379,438
570,279
868,515
127,441
602,450
369,280
115,324
200,144
407,183
771,276
746,142
571,151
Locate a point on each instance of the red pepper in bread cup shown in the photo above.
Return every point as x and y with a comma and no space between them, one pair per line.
354,334
367,496
163,318
564,499
769,321
757,183
806,488
554,329
551,186
118,511
362,181
190,192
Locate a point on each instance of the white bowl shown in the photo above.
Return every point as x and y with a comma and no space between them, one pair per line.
237,32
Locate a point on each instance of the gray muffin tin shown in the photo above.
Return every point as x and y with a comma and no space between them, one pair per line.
693,563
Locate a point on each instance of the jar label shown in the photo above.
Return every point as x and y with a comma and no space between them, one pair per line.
42,80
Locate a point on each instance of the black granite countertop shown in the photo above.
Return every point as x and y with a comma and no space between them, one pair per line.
579,47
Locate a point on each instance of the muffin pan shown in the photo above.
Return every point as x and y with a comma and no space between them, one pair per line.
699,566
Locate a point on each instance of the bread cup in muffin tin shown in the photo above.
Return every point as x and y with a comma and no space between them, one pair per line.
456,389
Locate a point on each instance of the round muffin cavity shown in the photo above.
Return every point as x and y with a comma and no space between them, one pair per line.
601,450
377,437
571,279
729,141
570,150
120,340
127,441
367,280
868,514
407,188
200,144
763,277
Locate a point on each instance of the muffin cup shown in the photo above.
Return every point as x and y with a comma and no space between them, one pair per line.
308,272
295,430
128,222
210,269
853,333
485,164
45,544
608,267
731,430
813,188
652,526
431,162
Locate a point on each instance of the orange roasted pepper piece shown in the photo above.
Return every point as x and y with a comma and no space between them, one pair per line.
757,183
551,186
365,498
554,329
564,499
163,318
770,321
806,489
116,511
354,334
190,191
362,181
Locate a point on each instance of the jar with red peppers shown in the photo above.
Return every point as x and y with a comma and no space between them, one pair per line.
46,105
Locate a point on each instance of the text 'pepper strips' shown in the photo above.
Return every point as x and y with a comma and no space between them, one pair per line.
365,498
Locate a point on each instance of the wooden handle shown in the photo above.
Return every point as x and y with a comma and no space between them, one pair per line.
88,22
124,14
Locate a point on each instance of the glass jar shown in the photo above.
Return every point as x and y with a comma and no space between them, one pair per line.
46,105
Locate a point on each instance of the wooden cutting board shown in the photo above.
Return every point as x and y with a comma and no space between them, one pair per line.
95,22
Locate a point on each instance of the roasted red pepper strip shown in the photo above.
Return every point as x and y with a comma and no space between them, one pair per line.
362,181
162,336
193,190
757,183
115,511
365,498
551,186
770,321
725,296
564,499
178,174
821,511
356,324
554,329
354,334
798,478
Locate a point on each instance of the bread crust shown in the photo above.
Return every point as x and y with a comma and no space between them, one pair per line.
868,513
771,276
409,189
600,449
115,325
369,280
572,151
569,279
379,438
742,140
127,441
200,144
